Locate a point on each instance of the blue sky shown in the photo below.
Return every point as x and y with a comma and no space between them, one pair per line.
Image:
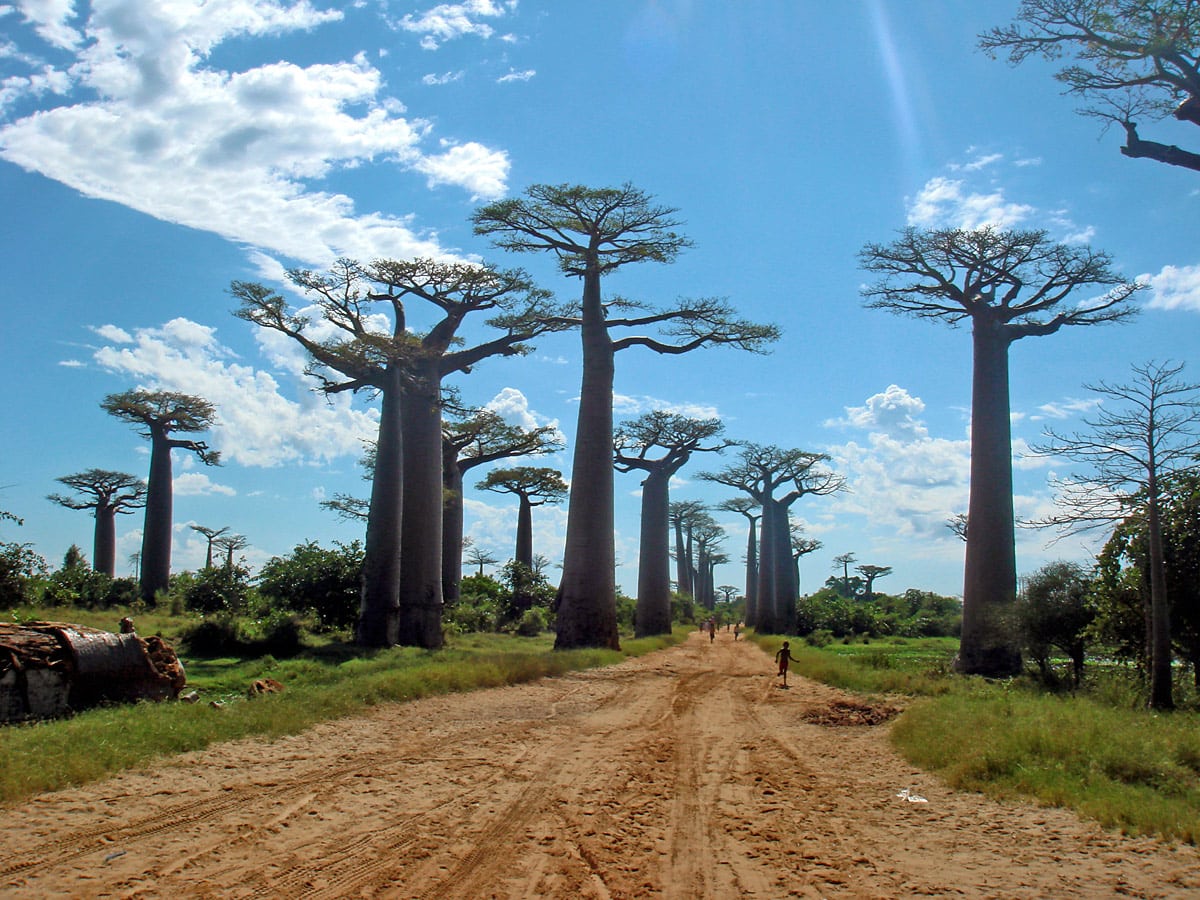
151,153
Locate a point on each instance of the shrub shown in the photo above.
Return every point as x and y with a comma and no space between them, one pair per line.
533,622
21,571
325,582
217,635
219,589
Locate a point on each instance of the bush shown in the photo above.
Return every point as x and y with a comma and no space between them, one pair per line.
282,633
218,635
313,579
533,622
219,589
21,572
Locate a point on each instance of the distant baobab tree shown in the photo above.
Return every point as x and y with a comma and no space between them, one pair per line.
162,414
230,544
108,494
841,563
477,556
1010,285
659,443
753,512
593,232
869,574
210,535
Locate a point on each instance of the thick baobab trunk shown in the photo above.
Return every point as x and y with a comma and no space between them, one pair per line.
104,547
752,573
768,575
1160,613
785,578
156,534
421,528
523,557
379,613
587,602
452,528
990,576
683,581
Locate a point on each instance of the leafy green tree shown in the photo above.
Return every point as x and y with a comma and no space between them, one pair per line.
1150,434
402,581
1133,59
324,581
1010,285
21,571
108,494
659,443
594,232
162,414
1055,609
221,589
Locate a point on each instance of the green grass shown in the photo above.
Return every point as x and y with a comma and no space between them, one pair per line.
329,682
1127,768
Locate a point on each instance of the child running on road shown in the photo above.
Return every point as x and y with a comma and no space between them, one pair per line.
784,656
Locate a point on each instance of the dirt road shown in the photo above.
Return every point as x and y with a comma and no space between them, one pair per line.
687,773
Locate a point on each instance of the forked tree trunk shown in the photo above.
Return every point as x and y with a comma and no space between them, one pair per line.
752,571
768,618
785,578
683,581
104,547
654,557
990,574
156,534
421,528
587,603
379,613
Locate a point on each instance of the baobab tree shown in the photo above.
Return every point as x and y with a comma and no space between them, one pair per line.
683,516
230,544
594,232
659,443
533,486
801,546
162,414
108,494
841,563
753,512
707,536
473,438
477,556
1132,60
210,535
402,580
870,574
1010,285
1131,451
761,471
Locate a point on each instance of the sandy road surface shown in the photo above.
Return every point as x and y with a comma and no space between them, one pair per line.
684,774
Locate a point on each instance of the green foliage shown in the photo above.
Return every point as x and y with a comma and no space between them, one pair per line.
324,582
914,614
527,589
482,601
219,589
217,635
534,621
626,611
21,571
1054,610
683,609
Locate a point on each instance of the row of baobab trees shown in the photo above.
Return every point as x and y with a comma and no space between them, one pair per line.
1009,285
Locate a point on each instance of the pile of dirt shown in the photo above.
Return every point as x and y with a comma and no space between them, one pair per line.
850,712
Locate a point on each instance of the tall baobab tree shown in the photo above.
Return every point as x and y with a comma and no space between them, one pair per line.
1131,451
402,569
210,535
231,544
753,512
841,563
108,494
1010,285
162,414
533,486
1132,60
683,516
659,443
870,574
801,546
761,471
474,438
594,232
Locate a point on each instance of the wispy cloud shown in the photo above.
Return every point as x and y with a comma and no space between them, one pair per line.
950,203
444,78
516,76
450,21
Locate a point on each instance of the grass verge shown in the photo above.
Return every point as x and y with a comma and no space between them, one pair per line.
328,683
1128,768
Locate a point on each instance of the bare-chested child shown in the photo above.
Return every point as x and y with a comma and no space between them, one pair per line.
784,656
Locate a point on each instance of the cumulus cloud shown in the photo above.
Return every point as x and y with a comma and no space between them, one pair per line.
256,424
949,203
511,405
449,21
1175,287
198,484
154,127
893,412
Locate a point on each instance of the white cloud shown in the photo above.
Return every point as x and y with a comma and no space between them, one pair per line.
70,364
192,484
514,75
513,407
1175,287
947,203
256,424
627,405
49,19
444,78
113,334
235,153
893,412
1065,409
448,21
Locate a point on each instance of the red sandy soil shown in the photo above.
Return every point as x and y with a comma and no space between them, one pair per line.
687,773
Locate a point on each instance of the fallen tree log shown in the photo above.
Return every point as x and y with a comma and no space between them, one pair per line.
50,669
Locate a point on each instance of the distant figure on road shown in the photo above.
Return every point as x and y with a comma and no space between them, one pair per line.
712,630
737,629
784,656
